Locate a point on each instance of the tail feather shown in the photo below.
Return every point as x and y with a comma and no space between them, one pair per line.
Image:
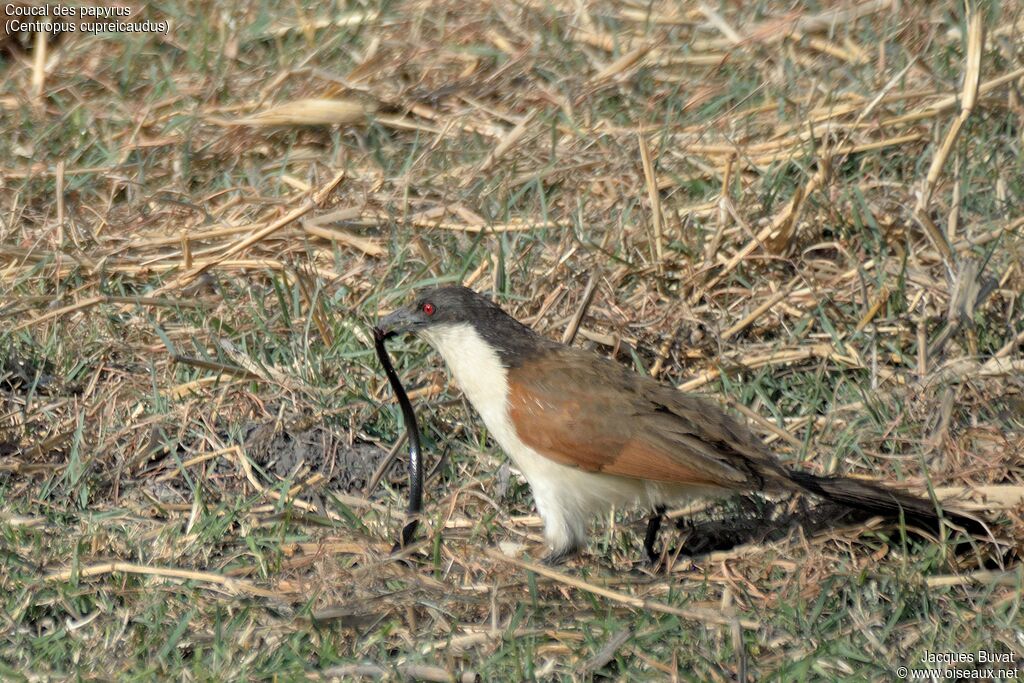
883,501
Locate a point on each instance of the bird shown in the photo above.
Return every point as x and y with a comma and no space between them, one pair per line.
588,433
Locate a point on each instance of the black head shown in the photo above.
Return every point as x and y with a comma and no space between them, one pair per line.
456,305
440,306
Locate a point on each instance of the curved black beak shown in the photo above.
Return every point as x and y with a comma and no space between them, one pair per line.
396,322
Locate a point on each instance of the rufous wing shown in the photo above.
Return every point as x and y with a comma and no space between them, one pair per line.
584,411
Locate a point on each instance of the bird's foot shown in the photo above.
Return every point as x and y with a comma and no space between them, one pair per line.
651,537
557,556
656,564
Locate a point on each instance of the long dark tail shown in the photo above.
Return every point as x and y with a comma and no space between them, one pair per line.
881,500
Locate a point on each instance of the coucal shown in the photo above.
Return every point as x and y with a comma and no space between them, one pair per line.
588,433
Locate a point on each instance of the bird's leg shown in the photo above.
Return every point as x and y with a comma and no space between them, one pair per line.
557,556
653,526
564,531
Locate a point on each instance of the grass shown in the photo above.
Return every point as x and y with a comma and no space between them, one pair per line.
194,428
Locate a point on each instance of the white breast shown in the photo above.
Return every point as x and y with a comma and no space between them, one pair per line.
478,372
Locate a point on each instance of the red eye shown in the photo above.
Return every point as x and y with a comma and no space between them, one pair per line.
428,308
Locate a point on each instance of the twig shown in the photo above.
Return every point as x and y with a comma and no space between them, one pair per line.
607,651
419,672
972,78
654,197
702,615
234,585
574,325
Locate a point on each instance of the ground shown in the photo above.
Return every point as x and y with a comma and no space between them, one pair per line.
810,212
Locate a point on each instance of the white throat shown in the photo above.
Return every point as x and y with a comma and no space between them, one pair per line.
476,367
